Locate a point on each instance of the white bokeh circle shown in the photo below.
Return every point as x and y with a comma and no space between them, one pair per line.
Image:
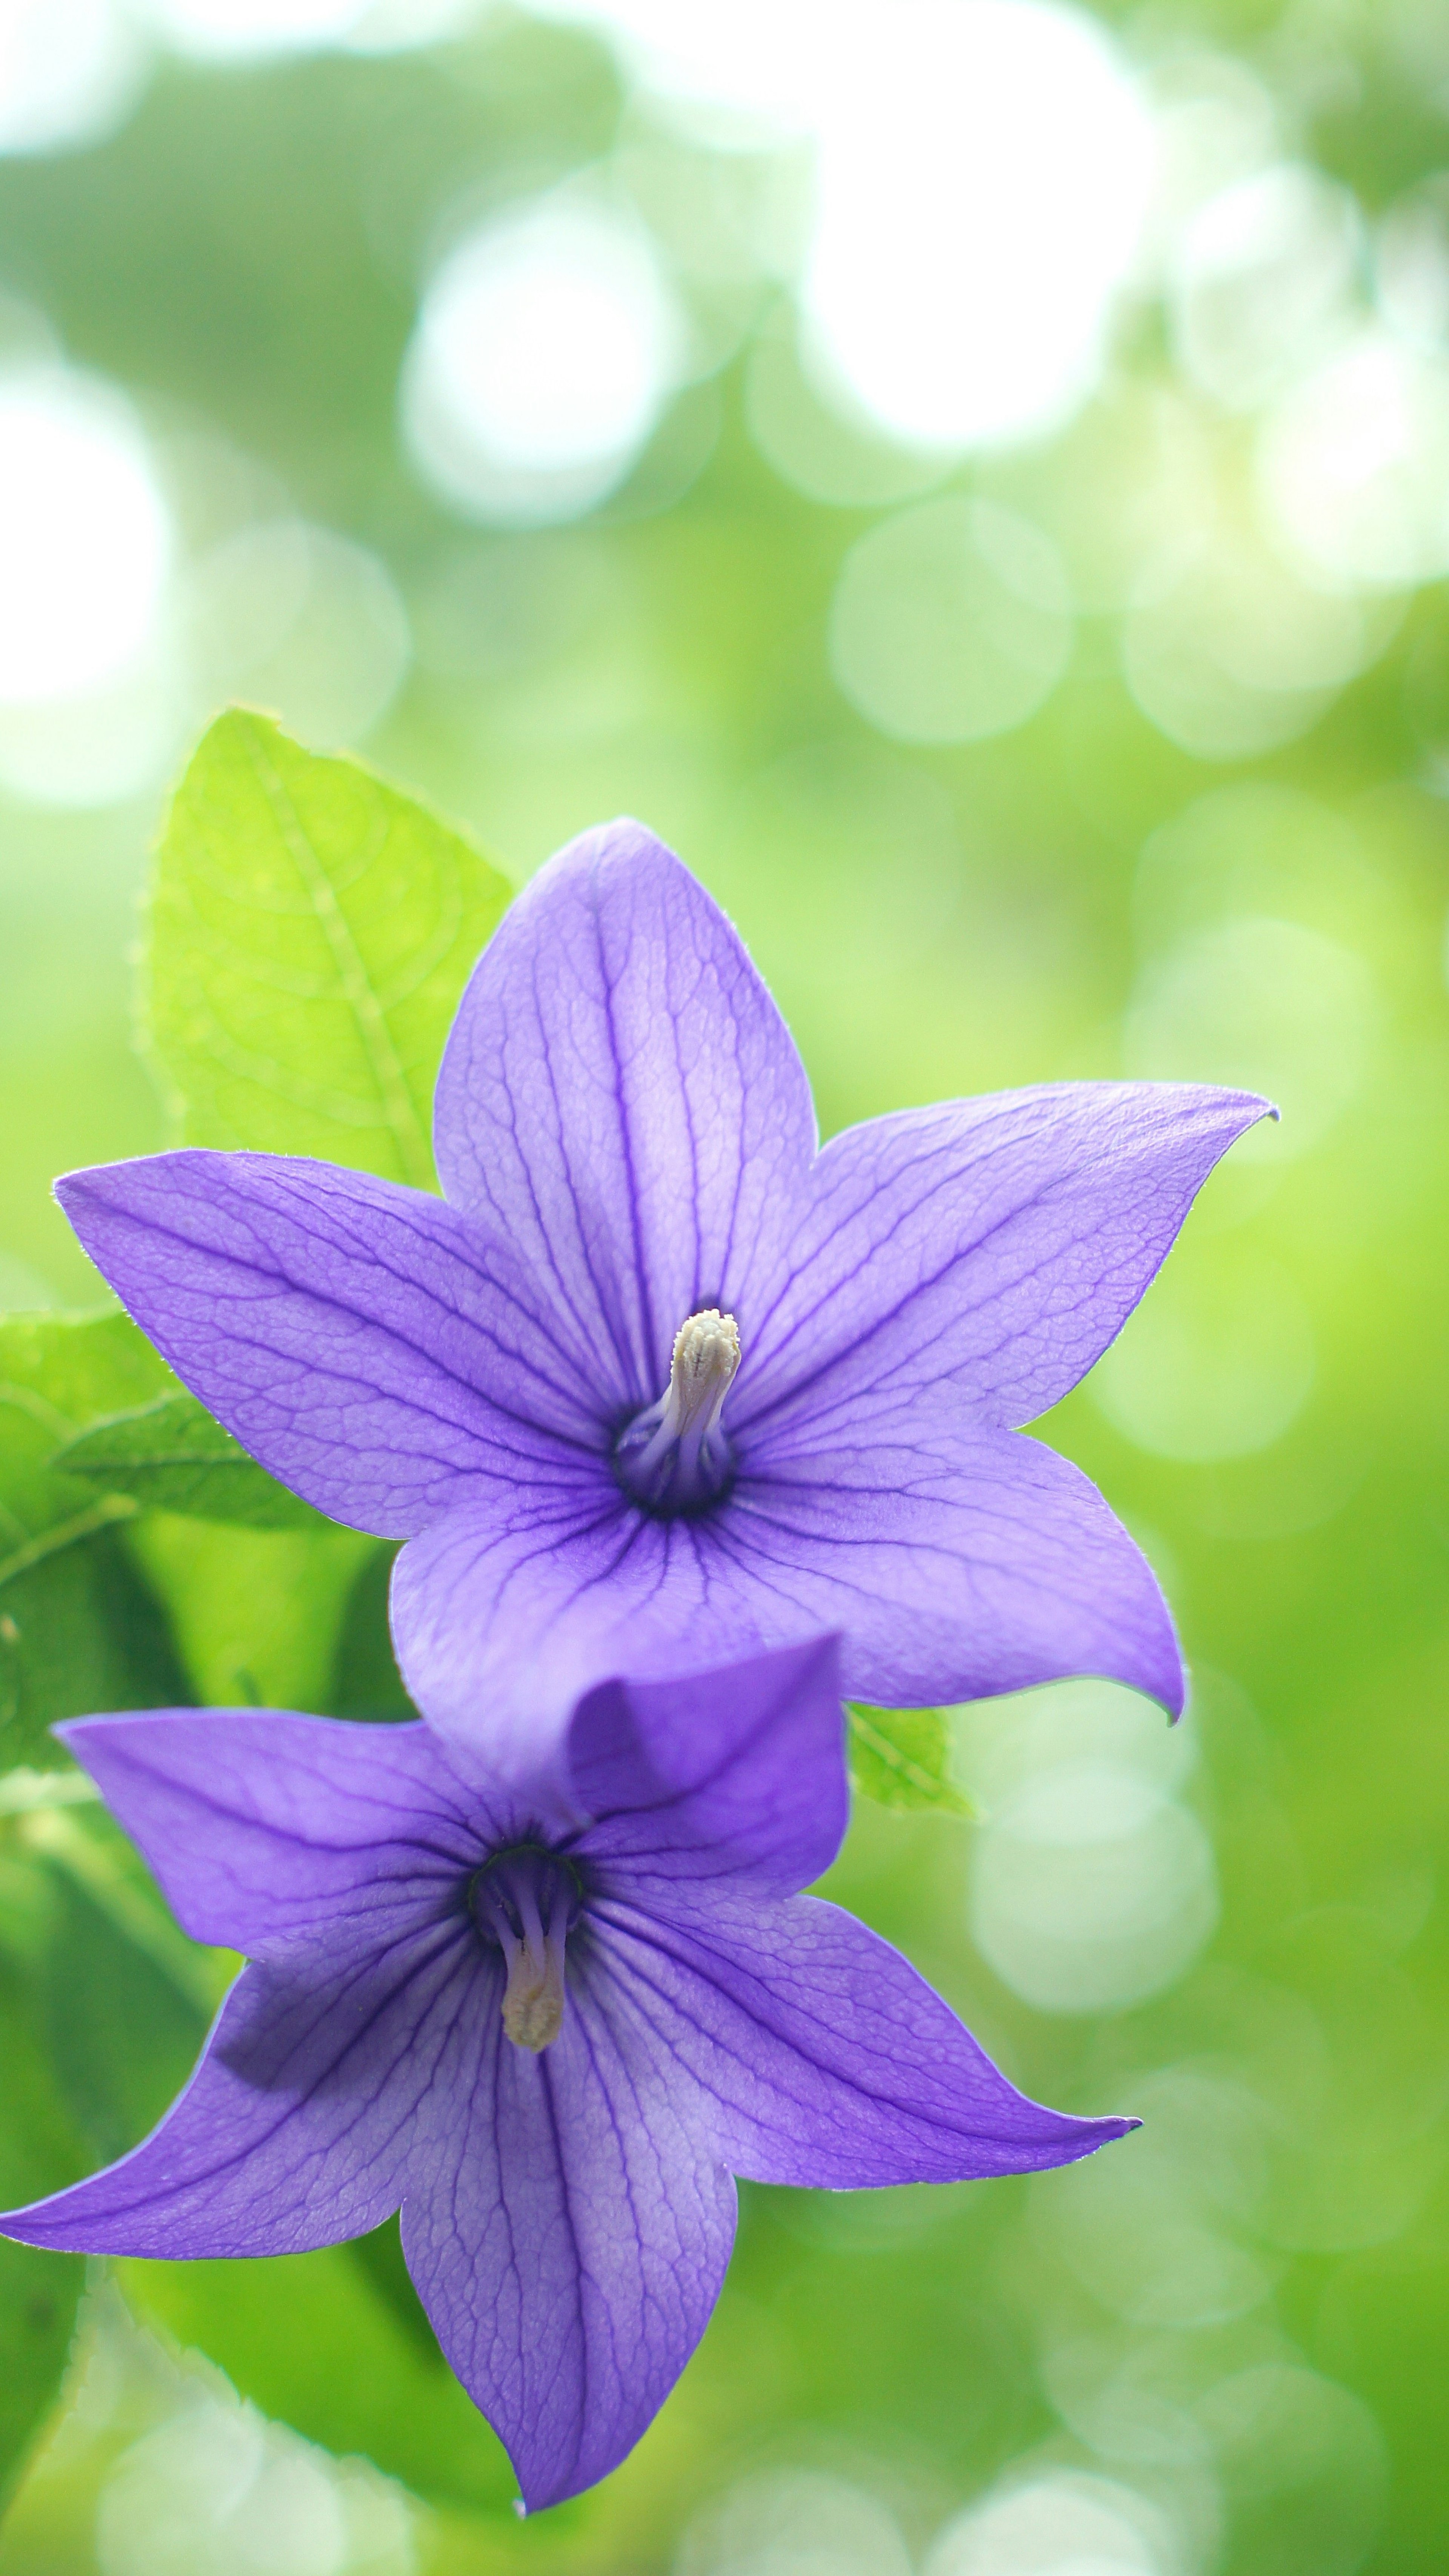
547,346
1216,1363
85,536
983,174
950,621
1091,1889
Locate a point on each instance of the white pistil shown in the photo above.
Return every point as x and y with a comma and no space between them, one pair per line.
675,1456
701,1373
510,1898
533,1999
706,1356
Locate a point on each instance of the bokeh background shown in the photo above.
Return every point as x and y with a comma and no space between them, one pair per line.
974,475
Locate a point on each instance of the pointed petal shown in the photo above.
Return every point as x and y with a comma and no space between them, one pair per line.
621,1098
263,1826
292,2131
732,1774
998,1243
568,2234
825,2058
956,1561
353,1334
952,1567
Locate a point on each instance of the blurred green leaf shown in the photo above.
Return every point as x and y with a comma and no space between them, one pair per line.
175,1456
311,930
318,2341
365,1678
79,1630
39,2152
901,1758
256,1613
123,2035
125,1998
382,2258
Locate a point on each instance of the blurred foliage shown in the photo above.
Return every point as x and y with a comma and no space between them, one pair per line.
1254,2319
901,1756
39,2150
77,1624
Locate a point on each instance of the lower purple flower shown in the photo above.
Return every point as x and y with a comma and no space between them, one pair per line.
550,2036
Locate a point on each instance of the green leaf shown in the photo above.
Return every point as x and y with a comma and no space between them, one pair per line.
365,1678
124,2016
901,1758
79,1629
320,2341
311,930
172,1455
80,1632
257,1614
39,2152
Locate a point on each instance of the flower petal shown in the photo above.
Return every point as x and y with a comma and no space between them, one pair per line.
292,2131
264,1827
998,1243
568,2233
956,1561
515,1605
825,2058
621,1099
732,1774
350,1332
953,1566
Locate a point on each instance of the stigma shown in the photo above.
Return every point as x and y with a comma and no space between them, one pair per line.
674,1457
527,1900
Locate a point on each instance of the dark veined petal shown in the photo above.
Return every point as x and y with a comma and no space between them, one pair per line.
621,1099
264,1827
353,1334
999,1244
568,2232
515,1605
824,2057
952,1565
293,2131
733,1774
957,1561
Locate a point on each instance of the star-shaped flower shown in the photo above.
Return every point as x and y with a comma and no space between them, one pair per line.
660,1383
551,2034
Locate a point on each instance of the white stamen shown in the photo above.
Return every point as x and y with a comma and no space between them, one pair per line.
706,1356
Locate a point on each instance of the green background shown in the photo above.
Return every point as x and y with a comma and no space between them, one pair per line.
1239,2333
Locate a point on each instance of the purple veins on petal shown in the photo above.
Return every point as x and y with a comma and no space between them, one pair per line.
661,1382
550,2039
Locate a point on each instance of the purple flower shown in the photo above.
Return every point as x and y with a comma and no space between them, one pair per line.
660,1384
550,2033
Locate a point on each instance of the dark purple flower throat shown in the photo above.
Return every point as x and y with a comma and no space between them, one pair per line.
527,1899
674,1457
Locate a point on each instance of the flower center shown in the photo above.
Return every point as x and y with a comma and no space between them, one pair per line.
674,1457
527,1900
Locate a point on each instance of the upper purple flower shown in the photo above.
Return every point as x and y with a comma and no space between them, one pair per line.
660,1383
550,2034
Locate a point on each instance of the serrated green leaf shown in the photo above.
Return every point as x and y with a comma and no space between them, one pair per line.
901,1758
172,1455
311,930
79,1629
